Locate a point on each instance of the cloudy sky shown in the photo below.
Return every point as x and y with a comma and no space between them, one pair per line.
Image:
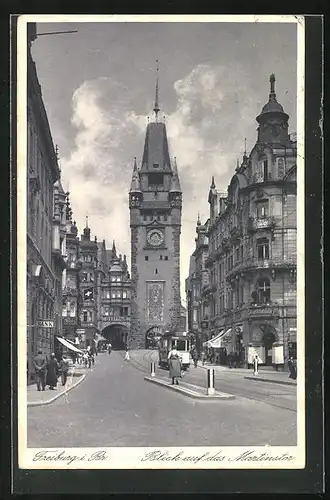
98,87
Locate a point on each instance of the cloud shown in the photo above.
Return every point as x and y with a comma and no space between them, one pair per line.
206,130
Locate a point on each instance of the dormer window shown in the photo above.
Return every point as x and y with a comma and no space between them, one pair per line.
156,165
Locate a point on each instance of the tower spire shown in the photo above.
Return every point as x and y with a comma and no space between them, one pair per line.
113,251
87,221
272,95
135,184
175,183
157,108
212,183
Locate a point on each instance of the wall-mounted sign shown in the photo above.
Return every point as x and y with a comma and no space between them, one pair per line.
46,323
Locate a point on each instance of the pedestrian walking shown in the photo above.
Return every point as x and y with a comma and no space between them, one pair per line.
204,356
175,369
52,372
85,359
40,368
127,357
63,369
194,356
255,364
109,349
292,368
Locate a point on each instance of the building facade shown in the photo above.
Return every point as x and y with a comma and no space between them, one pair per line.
197,287
252,247
96,292
45,223
155,202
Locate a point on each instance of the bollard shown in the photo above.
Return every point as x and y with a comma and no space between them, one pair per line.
210,382
153,365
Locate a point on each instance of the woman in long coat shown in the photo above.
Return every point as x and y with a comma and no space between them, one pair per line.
52,372
174,364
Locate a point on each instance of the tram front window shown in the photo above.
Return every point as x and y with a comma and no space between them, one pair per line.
181,345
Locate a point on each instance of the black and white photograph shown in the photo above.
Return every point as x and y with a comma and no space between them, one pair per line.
161,242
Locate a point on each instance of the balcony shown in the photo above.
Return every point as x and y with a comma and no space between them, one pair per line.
256,223
67,290
254,264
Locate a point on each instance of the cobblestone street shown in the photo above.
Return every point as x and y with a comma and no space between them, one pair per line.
115,406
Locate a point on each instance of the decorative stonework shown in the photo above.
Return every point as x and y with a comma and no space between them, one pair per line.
155,301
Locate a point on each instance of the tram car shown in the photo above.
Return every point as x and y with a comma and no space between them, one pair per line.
177,341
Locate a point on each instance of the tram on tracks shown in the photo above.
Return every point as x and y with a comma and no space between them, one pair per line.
178,341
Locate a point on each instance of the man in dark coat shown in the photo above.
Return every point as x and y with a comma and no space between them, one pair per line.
174,364
39,364
194,356
63,369
52,372
292,368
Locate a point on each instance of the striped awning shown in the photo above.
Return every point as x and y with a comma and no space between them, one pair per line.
69,345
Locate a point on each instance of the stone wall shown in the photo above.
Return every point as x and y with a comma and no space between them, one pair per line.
135,337
175,306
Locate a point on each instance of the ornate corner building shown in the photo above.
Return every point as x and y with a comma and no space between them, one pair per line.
252,247
155,202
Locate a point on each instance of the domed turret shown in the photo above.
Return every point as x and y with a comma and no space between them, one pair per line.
273,121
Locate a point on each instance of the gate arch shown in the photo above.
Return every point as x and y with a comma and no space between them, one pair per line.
117,335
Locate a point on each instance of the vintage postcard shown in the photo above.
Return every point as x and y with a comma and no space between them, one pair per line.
161,242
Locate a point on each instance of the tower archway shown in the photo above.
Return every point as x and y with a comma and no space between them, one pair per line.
117,335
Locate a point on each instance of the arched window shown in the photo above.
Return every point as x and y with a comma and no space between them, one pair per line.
263,290
263,248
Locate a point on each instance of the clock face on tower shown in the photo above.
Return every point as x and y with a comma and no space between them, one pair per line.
155,237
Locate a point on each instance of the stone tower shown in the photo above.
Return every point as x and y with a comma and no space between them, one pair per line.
155,202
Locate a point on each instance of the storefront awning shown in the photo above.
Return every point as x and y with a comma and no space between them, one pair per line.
213,342
69,345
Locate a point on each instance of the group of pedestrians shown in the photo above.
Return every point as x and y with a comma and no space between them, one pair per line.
127,356
48,371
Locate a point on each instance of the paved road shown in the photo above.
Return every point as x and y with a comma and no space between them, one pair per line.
114,406
231,381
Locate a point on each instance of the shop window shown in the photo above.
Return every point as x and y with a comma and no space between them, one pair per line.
263,248
263,291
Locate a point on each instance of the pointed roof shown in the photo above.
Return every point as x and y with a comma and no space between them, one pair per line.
113,251
156,149
175,183
135,184
212,183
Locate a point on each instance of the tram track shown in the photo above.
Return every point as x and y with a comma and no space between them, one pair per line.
226,386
